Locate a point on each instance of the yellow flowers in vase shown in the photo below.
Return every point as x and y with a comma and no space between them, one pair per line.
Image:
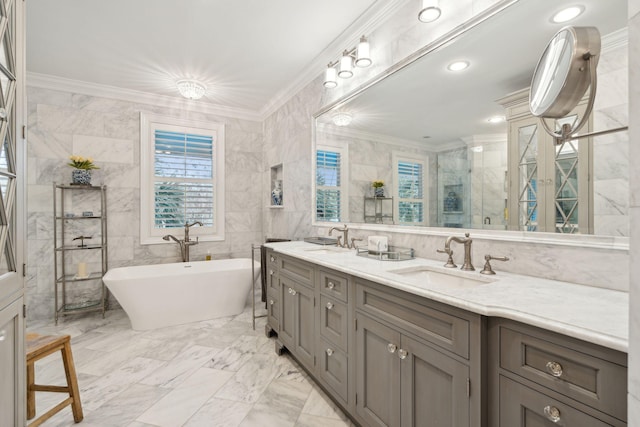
378,188
81,174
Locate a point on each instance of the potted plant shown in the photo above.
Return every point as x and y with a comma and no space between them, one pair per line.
378,188
81,174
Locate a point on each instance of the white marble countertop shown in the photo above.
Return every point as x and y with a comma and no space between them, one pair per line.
596,315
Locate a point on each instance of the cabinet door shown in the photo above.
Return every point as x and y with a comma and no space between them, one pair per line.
12,368
287,312
305,334
434,387
377,373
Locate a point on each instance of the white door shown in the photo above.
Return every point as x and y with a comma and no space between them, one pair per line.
12,214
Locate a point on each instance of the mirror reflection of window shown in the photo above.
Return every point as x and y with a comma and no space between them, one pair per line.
410,178
329,191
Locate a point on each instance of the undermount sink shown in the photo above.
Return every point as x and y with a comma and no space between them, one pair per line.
327,250
428,276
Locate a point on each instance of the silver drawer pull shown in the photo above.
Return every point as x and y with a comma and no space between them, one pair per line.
270,272
271,302
331,285
391,347
402,354
554,368
329,305
273,259
329,352
3,335
552,413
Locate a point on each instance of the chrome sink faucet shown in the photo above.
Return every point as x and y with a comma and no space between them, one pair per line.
466,241
345,237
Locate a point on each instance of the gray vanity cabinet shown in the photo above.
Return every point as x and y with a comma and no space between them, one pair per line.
273,292
406,372
539,378
297,310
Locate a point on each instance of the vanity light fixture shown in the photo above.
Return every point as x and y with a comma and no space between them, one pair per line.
342,119
360,56
191,89
330,77
566,15
458,65
430,11
346,66
363,58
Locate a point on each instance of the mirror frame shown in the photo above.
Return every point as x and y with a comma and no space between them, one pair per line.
541,238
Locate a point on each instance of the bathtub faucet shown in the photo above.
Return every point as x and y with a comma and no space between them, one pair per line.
187,242
179,242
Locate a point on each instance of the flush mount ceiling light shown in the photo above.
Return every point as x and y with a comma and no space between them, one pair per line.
342,119
496,119
567,14
458,65
191,89
430,11
360,56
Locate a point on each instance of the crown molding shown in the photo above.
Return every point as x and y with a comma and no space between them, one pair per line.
370,136
368,21
47,81
619,38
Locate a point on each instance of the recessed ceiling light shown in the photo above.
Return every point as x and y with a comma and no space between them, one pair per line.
458,65
496,119
477,149
567,14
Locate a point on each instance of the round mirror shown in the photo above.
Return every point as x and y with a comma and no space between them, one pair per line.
564,72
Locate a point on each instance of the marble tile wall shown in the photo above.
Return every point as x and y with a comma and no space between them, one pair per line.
65,123
288,140
634,203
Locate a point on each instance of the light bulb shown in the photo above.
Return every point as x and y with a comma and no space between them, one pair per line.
430,11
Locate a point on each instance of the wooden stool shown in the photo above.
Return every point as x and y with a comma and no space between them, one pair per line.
38,347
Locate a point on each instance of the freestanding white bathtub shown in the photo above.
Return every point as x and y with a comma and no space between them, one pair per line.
155,296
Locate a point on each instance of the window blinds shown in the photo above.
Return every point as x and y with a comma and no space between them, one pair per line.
410,192
328,185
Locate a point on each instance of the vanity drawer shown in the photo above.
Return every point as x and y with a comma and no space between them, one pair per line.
302,272
575,372
333,368
426,319
335,285
273,282
333,321
521,406
273,311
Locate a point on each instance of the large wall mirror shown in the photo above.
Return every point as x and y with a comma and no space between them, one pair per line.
460,149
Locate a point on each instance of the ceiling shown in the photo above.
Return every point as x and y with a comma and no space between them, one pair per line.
245,51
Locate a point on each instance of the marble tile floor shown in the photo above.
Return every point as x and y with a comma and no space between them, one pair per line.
212,373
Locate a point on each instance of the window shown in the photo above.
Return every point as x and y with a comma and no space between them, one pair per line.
330,184
182,178
410,176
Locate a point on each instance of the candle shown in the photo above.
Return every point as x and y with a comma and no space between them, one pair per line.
82,269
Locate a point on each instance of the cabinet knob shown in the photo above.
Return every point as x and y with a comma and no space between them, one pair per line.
271,302
331,285
554,368
329,305
293,292
270,272
273,259
552,413
391,347
329,352
290,291
3,335
402,354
